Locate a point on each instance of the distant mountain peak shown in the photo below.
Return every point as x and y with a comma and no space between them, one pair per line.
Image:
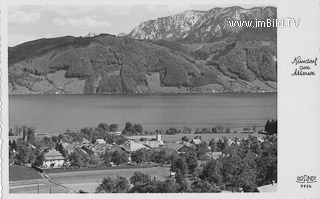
122,34
170,27
91,34
201,26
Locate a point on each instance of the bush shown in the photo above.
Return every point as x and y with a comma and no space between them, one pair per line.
111,185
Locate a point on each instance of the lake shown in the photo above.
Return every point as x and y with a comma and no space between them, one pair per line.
53,114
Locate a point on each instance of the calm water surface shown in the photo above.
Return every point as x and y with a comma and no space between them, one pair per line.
54,114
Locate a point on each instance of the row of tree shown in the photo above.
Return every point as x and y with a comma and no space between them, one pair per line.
242,167
271,127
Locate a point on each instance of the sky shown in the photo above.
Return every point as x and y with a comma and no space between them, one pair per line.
31,22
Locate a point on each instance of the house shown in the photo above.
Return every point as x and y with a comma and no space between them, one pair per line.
196,140
116,133
85,142
115,148
174,146
64,144
69,148
131,146
152,144
260,139
100,141
53,159
216,155
170,152
99,149
180,148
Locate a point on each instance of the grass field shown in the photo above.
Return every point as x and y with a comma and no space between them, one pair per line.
22,172
36,186
94,169
24,179
90,179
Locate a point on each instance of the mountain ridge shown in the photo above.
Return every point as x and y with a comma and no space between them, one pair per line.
185,59
214,19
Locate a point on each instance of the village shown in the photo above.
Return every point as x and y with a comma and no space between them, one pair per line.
188,158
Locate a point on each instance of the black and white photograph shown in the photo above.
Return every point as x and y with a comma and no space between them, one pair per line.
137,97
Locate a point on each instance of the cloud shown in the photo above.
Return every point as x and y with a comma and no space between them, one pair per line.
59,22
16,39
86,22
71,10
171,9
49,35
152,8
177,8
118,9
24,17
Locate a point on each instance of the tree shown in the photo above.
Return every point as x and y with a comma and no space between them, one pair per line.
267,126
60,148
228,130
143,139
202,149
60,137
213,145
248,176
172,131
271,127
39,158
220,129
187,130
141,183
55,138
106,158
204,130
137,129
111,185
221,145
191,159
11,132
180,166
212,172
159,157
113,127
78,160
203,186
140,156
119,157
214,130
14,145
185,139
169,186
25,154
103,126
128,129
120,139
24,132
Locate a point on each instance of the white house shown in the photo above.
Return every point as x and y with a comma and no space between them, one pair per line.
53,159
100,141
